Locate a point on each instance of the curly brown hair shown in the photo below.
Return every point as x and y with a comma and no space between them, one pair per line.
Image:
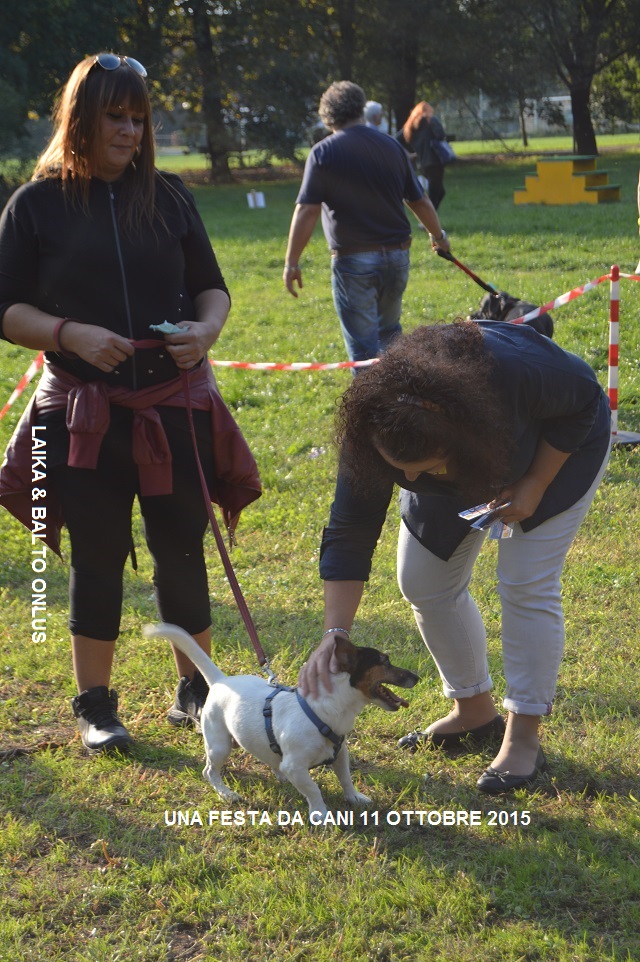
342,103
431,395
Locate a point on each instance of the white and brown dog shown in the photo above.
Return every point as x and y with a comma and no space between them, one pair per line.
279,727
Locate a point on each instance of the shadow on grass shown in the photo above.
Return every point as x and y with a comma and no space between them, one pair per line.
558,870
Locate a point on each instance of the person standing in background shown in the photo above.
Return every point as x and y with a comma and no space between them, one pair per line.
417,134
373,114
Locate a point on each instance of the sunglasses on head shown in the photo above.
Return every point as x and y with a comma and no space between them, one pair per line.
111,61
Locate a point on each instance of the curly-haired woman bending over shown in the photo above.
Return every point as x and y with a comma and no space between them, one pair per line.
460,415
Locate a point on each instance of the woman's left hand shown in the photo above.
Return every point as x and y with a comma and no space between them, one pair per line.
196,337
189,347
526,494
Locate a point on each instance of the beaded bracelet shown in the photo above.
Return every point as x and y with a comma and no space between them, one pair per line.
343,631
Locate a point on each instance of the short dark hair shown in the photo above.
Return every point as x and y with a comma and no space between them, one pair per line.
341,104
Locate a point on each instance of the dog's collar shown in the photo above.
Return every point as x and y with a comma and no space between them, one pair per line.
322,727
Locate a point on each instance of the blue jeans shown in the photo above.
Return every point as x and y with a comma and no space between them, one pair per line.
367,293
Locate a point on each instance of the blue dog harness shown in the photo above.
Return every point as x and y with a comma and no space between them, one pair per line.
322,727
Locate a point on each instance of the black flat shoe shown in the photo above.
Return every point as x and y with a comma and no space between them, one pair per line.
452,740
493,782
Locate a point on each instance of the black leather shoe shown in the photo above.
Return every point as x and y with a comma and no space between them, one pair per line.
493,782
100,728
191,695
450,741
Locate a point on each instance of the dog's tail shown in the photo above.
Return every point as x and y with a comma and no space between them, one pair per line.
189,647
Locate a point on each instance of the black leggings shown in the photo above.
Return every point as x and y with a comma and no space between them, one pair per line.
97,508
435,176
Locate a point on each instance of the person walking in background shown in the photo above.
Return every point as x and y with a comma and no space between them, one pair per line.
359,180
373,114
417,134
98,247
460,415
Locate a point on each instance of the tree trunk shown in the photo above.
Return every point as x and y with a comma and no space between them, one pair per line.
218,143
345,15
404,84
145,33
523,122
584,137
403,102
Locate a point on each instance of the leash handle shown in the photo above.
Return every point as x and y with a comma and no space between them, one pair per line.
226,561
448,256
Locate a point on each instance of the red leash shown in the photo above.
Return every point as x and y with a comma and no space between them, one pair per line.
224,554
448,256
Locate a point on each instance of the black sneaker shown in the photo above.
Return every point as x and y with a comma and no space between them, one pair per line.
191,695
100,728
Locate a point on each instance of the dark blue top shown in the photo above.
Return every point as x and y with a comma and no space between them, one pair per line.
361,177
551,394
421,140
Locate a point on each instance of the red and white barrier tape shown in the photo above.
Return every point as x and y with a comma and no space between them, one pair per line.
295,366
26,378
564,299
35,366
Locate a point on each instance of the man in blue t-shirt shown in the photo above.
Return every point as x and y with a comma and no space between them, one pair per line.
359,180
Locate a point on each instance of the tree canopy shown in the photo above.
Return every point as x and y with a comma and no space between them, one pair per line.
252,70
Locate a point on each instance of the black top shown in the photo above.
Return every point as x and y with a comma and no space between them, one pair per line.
421,139
361,177
80,263
550,393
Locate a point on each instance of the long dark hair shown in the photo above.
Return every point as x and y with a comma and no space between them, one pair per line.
431,394
72,152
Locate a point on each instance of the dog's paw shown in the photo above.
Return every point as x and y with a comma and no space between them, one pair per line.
216,782
357,798
232,796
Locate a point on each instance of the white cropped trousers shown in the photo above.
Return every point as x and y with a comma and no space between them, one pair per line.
529,569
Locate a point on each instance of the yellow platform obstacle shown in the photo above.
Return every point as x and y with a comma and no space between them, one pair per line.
567,180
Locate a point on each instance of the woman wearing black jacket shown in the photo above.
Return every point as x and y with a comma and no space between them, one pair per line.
96,249
419,131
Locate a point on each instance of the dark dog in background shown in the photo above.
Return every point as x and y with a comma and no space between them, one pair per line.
503,307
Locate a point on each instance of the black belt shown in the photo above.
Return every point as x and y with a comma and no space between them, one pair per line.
373,249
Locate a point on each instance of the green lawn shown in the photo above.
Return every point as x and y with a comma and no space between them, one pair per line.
90,871
180,162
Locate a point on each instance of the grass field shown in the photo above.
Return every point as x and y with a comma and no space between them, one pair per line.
179,162
92,868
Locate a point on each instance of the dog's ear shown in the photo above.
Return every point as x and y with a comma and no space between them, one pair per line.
344,656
